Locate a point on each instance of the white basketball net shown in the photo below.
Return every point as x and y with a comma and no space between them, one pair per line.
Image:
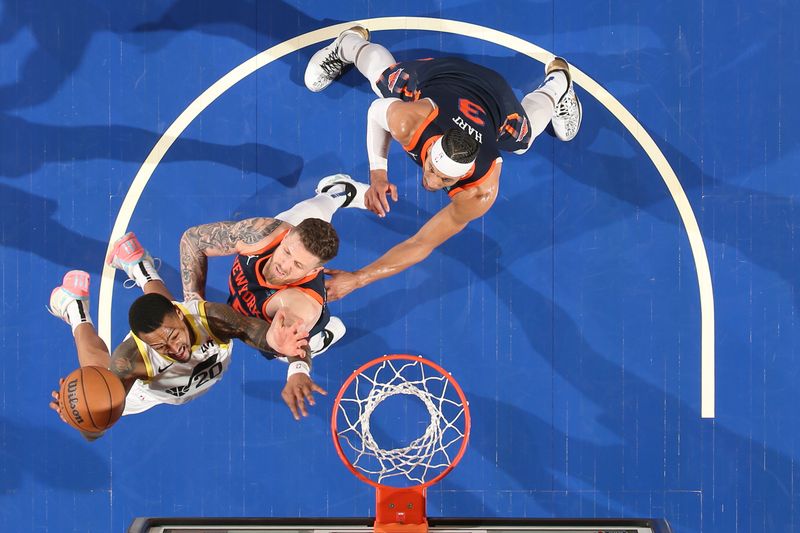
427,455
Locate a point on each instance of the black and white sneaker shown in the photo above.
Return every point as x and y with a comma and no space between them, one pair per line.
568,112
334,330
326,64
353,190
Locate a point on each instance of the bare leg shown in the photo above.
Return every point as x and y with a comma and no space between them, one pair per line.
92,350
157,286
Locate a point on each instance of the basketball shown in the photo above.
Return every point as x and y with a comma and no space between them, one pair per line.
92,398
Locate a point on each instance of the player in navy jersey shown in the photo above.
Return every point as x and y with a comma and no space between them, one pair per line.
278,262
453,118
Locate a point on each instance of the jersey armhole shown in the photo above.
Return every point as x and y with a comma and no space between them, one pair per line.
142,347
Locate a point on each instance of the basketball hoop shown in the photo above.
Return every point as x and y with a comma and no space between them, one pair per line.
400,474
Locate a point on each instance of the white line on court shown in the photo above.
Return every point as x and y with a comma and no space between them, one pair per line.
707,383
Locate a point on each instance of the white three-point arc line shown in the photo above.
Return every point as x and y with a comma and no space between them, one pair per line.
461,28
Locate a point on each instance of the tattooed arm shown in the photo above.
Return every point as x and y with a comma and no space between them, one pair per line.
198,243
283,337
286,335
127,363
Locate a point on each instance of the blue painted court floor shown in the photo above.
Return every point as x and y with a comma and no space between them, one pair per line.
571,313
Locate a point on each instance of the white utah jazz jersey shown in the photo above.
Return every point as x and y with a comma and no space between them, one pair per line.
173,382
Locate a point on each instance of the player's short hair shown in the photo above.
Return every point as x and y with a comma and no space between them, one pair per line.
459,146
319,238
147,313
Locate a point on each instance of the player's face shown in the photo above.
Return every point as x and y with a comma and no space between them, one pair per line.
173,338
291,261
432,179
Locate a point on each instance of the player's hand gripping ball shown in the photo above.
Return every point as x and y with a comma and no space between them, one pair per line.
91,399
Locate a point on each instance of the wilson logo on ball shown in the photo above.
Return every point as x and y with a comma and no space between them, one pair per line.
72,398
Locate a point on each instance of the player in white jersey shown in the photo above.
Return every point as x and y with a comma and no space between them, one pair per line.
175,351
169,380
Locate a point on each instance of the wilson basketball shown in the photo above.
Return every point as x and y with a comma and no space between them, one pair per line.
92,398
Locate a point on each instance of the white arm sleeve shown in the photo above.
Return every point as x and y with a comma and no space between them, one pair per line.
378,136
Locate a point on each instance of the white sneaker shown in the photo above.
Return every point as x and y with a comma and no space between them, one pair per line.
326,64
567,117
568,112
334,330
74,288
354,190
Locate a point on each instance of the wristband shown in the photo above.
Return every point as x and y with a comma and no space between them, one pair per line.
298,367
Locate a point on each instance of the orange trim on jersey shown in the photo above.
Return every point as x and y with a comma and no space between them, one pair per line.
314,294
417,134
274,242
260,276
264,309
310,292
477,182
423,155
506,126
414,96
269,285
259,263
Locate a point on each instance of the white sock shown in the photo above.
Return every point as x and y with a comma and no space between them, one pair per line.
321,206
143,272
78,313
554,85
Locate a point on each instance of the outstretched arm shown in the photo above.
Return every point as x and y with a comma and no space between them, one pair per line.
465,207
198,243
297,305
126,363
282,338
286,335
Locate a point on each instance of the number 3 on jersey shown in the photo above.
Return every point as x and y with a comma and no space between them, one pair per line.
471,111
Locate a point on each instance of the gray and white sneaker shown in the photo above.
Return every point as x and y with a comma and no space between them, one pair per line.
568,112
326,64
353,190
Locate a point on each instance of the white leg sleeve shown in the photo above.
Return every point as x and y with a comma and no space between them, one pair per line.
541,103
321,206
539,108
371,59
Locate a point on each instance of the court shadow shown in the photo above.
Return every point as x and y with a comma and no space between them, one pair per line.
630,433
30,149
30,224
60,459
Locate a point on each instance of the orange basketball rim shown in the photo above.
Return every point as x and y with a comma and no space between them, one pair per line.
402,474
